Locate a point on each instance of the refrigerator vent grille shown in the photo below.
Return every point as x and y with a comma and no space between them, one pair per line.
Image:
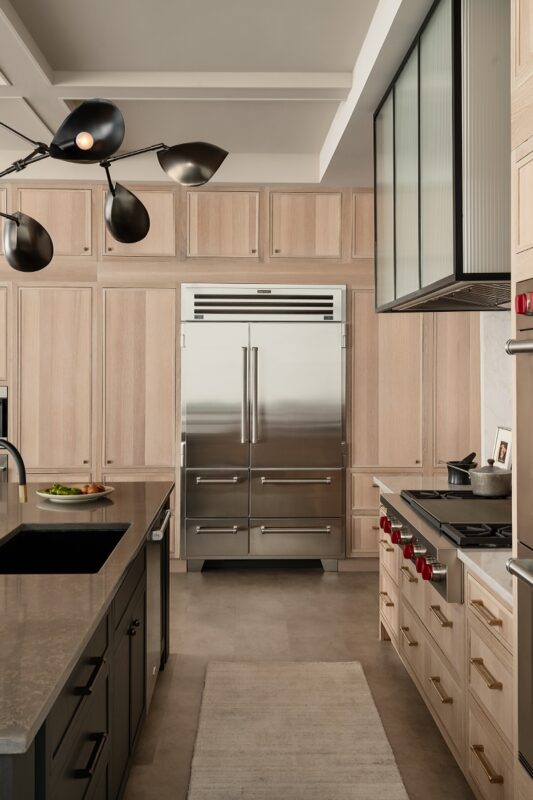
218,304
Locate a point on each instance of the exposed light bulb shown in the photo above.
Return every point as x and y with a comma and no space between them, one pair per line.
84,140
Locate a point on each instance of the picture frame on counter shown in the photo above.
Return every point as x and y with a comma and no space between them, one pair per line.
502,454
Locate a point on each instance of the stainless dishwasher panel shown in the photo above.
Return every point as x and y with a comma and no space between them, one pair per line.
213,537
217,493
296,394
300,537
293,493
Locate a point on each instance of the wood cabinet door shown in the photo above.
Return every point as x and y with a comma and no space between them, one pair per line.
120,710
386,386
66,215
456,390
305,224
363,225
139,377
3,333
160,239
521,71
137,665
222,224
55,377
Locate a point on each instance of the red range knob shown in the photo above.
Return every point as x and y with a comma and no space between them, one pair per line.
520,303
420,563
387,525
395,537
427,572
408,551
382,521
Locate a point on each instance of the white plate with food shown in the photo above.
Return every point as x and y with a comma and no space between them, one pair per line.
85,493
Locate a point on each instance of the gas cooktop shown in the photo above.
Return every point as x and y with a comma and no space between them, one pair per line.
466,518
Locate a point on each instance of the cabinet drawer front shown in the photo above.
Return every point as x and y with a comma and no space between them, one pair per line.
71,701
389,555
388,602
128,587
412,586
297,537
412,642
217,493
446,622
490,612
220,536
84,751
445,696
365,496
293,493
489,760
490,678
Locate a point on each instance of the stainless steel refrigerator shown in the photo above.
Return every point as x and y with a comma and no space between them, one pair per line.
263,422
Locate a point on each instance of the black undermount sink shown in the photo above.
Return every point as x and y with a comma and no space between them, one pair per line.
71,548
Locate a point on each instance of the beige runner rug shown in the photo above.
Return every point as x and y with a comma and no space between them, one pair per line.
291,731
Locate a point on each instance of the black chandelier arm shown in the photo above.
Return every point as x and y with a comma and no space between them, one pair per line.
22,163
9,216
108,176
40,145
131,153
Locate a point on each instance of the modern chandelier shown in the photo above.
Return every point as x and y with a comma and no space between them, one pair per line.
92,134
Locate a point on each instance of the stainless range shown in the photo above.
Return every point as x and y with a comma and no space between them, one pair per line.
429,526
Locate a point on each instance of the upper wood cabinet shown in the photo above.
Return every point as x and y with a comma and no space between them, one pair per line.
3,334
139,377
386,386
522,71
363,225
223,224
3,207
66,215
160,239
305,224
523,200
456,386
55,377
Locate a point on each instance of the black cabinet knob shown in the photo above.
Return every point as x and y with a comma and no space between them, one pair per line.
132,631
136,623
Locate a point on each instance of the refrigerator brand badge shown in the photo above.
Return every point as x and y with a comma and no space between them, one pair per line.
198,316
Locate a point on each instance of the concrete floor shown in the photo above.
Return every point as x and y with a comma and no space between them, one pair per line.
285,614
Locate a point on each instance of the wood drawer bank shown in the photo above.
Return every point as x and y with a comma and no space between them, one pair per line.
460,658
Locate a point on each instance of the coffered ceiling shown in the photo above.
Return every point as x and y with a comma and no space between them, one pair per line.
286,86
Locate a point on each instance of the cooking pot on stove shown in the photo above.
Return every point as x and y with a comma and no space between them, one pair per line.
459,471
491,481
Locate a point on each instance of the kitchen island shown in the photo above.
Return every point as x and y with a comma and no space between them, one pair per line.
47,621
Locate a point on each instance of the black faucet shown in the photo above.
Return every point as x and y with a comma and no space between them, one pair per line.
23,491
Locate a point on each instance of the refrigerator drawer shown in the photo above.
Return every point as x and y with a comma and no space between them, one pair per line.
293,493
207,538
297,537
216,493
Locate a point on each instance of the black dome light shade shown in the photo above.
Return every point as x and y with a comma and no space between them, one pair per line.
91,133
126,217
191,163
27,245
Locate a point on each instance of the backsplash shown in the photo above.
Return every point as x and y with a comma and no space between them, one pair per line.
496,378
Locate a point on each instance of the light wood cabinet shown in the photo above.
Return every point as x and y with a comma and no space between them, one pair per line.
3,207
223,224
386,386
522,71
457,428
363,225
523,201
364,536
139,377
160,239
55,355
3,334
305,224
66,215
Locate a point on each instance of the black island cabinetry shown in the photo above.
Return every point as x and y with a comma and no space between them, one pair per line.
84,748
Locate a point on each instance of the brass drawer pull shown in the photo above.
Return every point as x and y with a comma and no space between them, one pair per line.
437,685
485,614
387,548
388,602
405,632
407,572
444,623
489,679
479,751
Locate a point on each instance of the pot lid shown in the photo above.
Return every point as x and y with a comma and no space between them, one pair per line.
491,469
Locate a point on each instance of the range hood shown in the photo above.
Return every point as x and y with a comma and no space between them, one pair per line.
442,166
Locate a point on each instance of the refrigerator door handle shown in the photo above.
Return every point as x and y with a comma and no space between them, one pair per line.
294,481
245,435
310,529
253,387
522,568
